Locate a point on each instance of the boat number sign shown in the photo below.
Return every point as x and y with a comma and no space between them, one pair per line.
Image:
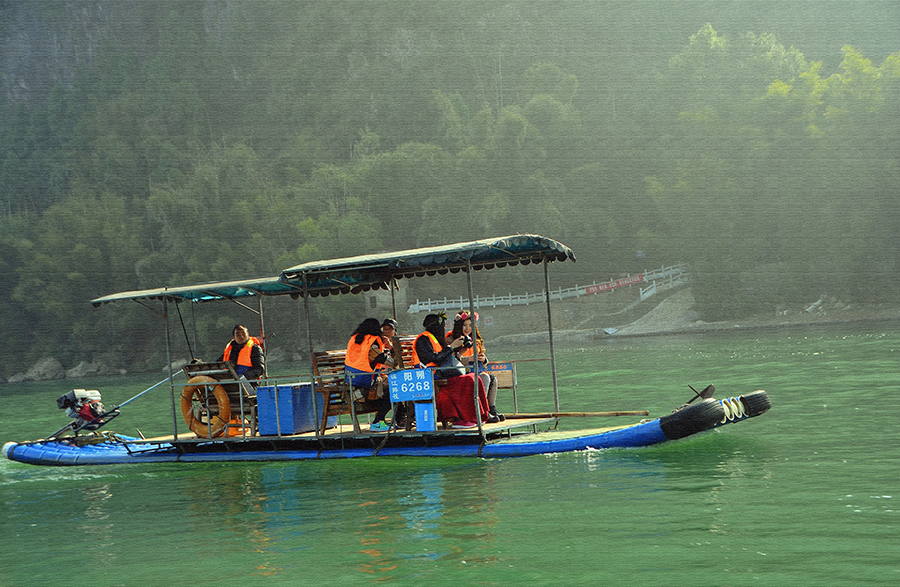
410,385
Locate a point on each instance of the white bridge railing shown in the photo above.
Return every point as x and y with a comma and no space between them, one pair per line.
659,279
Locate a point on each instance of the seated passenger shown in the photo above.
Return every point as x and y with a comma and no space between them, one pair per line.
462,327
365,355
456,400
245,354
388,332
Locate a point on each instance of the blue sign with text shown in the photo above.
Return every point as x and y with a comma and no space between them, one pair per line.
411,385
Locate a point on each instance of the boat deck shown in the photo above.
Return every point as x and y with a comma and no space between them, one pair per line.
344,431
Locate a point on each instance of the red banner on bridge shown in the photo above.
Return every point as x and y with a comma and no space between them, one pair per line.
592,289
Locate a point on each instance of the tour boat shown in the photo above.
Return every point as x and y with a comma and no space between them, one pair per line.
315,415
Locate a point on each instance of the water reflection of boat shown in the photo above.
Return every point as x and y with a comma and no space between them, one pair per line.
233,406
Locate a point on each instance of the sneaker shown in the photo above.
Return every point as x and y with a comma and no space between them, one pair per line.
493,419
400,423
460,425
379,427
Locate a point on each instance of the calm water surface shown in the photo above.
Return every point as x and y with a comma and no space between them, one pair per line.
806,494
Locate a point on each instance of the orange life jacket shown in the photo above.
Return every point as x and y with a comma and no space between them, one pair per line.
434,345
244,356
358,354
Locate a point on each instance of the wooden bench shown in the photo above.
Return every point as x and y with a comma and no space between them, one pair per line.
331,382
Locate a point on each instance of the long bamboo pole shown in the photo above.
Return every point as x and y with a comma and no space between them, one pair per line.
577,414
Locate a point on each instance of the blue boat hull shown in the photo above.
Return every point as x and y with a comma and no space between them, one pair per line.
704,415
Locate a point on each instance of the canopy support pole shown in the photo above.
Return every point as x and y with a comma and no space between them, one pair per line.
550,332
262,334
475,365
169,367
392,284
309,343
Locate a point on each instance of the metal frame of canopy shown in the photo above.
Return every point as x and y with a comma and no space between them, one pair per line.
366,272
225,290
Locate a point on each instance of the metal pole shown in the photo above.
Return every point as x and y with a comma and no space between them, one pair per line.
550,332
391,284
475,364
312,370
169,366
262,334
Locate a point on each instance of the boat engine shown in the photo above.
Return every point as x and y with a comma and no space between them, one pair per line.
82,405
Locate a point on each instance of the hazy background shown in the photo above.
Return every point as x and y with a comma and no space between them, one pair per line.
145,144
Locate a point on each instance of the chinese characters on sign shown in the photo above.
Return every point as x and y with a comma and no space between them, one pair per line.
411,385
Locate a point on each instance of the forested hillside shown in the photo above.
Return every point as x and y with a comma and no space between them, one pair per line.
180,142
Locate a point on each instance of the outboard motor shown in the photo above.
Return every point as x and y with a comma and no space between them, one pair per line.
82,405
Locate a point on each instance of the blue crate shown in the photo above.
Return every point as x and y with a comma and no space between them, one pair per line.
295,409
425,417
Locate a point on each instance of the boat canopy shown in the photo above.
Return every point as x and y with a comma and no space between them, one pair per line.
377,271
223,290
366,272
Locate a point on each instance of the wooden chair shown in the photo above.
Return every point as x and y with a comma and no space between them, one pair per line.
331,383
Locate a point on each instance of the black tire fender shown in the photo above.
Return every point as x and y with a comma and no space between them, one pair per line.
755,403
692,419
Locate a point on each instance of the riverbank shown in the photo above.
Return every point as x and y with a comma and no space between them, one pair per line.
675,314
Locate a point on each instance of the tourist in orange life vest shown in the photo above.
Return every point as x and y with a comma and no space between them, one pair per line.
245,354
388,332
365,355
456,400
463,327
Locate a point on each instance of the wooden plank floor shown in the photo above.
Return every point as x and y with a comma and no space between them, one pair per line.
346,429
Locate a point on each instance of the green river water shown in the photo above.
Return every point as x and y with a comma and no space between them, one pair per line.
806,494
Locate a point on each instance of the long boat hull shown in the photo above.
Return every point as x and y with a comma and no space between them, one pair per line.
704,415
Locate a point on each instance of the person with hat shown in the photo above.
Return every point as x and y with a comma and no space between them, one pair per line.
456,400
388,333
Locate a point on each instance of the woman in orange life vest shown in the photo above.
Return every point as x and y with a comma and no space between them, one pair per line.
388,332
456,401
462,327
245,354
365,355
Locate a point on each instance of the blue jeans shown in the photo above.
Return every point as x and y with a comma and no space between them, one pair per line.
359,378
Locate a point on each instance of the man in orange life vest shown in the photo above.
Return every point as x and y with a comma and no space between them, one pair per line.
245,354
